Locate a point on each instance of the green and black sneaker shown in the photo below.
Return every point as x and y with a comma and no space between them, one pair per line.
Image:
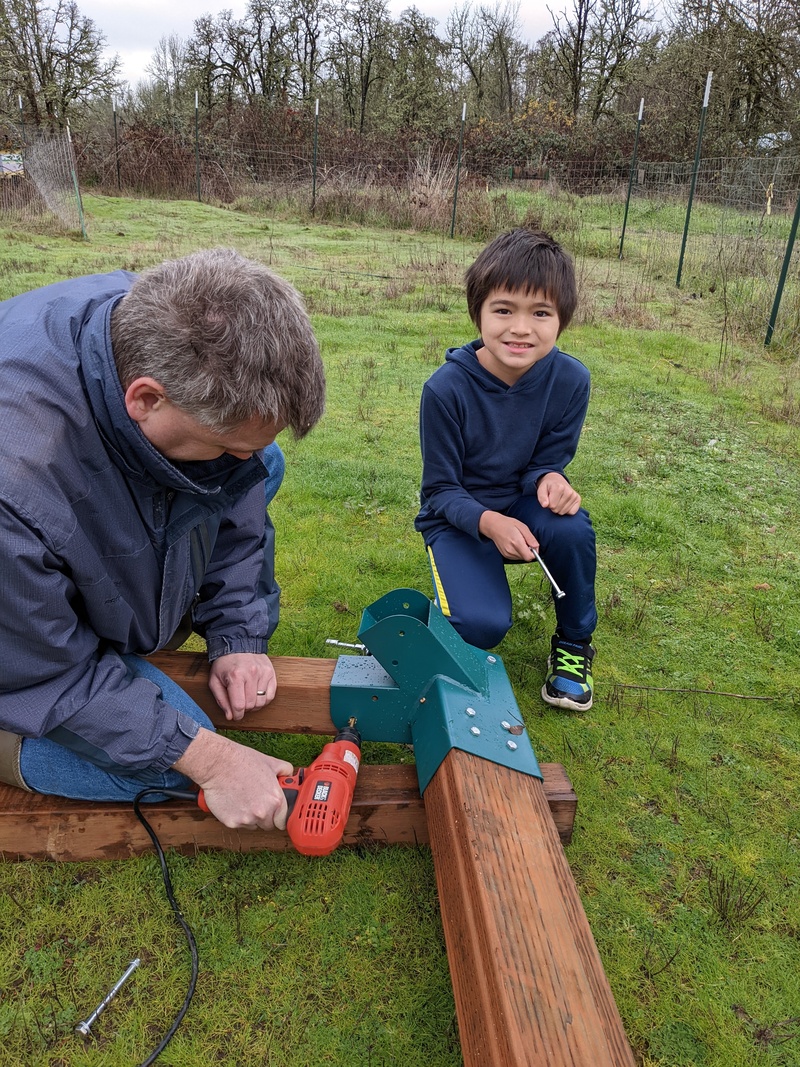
569,674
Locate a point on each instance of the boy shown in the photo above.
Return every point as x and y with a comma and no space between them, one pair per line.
499,422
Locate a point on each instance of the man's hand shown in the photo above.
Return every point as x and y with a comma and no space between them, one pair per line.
242,681
240,784
555,492
513,538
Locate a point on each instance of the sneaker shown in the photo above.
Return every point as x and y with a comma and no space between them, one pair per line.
569,674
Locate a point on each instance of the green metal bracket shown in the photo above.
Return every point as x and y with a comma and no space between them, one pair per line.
423,685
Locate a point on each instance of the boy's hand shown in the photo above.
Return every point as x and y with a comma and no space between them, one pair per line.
555,492
513,538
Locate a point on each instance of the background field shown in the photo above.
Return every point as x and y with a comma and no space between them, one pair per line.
687,842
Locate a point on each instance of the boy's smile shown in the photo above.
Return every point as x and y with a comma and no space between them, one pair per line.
518,328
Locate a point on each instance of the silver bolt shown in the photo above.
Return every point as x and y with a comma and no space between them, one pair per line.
491,659
471,712
85,1027
558,592
505,725
474,730
512,745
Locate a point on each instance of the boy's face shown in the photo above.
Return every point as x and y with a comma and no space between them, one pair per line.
518,328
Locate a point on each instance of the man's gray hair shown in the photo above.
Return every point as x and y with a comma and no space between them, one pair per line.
226,338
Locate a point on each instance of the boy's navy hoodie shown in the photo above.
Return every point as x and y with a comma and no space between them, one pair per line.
484,443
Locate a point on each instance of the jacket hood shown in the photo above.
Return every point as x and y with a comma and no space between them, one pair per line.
466,357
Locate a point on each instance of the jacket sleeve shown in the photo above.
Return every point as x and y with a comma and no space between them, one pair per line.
442,446
58,681
238,605
556,447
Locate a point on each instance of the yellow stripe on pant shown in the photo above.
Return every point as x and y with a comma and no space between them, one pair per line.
441,598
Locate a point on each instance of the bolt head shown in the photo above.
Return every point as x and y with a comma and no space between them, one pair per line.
512,745
471,712
474,730
491,659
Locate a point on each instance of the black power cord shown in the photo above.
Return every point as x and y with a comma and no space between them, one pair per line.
175,794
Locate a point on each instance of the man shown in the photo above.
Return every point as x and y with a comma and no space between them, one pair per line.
138,421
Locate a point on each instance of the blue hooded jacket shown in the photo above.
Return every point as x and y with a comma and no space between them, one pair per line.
105,543
485,443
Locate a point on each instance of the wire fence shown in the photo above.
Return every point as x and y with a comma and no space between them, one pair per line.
39,183
738,239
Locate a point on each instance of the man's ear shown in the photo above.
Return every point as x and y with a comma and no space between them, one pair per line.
143,397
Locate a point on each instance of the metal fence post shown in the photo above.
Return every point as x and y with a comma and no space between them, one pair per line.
197,142
116,143
694,176
314,162
458,167
630,178
75,184
784,271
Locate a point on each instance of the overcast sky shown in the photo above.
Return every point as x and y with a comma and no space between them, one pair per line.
133,28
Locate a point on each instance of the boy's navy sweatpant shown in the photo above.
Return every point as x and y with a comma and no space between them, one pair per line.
470,584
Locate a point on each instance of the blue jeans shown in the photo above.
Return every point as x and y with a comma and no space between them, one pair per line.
47,767
50,768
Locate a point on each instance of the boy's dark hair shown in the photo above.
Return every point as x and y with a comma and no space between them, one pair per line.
524,260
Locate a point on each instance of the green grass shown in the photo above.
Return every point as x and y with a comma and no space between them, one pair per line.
687,843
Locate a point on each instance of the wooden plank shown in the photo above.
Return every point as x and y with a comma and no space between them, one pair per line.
302,704
387,809
529,985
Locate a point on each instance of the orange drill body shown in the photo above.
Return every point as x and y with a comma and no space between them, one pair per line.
320,795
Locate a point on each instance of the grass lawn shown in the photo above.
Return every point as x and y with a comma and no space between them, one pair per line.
687,844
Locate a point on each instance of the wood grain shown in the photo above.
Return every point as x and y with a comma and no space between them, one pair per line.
387,810
529,984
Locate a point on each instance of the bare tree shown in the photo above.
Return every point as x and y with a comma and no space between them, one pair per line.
305,21
358,55
486,43
590,49
53,58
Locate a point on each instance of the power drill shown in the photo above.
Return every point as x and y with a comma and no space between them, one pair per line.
319,796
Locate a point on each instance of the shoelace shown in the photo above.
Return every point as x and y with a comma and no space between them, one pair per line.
571,662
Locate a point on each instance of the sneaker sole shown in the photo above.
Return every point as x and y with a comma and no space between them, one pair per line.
565,702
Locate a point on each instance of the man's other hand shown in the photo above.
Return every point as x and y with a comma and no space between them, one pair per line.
242,681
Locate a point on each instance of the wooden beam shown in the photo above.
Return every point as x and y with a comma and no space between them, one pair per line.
387,810
302,704
529,985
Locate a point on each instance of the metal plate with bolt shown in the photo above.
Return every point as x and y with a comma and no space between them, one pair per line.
423,685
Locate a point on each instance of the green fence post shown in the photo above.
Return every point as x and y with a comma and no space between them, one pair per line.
784,271
197,142
630,177
694,176
458,167
75,184
314,161
116,143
